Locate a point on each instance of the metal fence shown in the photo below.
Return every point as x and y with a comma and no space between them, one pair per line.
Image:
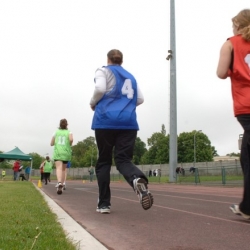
208,173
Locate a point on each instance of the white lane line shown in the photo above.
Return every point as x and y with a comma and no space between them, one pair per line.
245,222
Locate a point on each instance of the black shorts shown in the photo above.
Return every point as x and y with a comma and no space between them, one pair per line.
64,162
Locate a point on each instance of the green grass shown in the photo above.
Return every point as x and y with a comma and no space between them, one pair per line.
209,178
26,220
235,180
10,178
186,178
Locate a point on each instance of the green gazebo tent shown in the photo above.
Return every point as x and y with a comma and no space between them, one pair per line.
16,154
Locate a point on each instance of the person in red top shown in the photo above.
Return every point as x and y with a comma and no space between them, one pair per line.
234,62
16,167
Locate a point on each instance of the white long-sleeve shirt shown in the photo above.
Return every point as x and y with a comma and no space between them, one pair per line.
104,83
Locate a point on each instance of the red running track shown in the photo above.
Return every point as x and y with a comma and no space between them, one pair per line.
182,217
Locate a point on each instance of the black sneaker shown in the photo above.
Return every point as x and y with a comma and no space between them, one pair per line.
236,210
103,210
59,188
145,197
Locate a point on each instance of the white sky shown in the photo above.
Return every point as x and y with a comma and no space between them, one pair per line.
49,51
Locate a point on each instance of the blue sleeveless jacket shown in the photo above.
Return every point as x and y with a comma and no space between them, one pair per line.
117,108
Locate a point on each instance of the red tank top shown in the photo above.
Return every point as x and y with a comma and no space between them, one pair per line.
240,75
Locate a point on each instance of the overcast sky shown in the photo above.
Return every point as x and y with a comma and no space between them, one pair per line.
49,51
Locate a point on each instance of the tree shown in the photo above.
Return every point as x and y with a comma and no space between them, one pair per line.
36,159
83,151
139,150
158,152
234,154
90,157
214,151
203,149
5,164
153,143
162,155
163,129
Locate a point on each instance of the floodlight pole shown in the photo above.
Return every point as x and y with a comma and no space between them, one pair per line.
173,108
91,156
195,145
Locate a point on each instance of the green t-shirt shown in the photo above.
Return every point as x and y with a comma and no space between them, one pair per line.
62,148
48,165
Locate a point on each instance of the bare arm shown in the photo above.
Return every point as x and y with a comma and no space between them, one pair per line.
224,60
52,143
42,164
70,139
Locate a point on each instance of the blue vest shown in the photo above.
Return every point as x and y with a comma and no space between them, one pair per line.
117,108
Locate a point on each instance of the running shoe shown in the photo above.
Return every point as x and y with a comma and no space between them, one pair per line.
59,188
145,197
64,186
103,210
56,185
236,210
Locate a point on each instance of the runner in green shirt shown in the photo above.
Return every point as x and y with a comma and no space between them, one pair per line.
62,141
47,169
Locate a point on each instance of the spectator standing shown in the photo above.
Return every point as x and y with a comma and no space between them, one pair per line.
192,170
154,172
16,167
91,173
27,172
150,173
159,172
3,174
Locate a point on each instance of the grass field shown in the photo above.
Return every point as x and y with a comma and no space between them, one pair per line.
212,178
202,179
26,220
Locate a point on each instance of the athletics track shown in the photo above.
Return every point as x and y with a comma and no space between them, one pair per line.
183,217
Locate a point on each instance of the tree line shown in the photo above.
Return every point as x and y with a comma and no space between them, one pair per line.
189,145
